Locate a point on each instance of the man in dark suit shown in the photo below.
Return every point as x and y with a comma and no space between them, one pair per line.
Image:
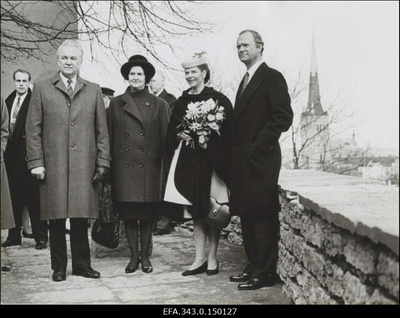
157,83
24,188
68,149
262,112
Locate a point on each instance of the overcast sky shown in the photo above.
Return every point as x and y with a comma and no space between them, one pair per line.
357,50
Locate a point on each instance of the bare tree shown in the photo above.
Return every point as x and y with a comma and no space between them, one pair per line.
111,25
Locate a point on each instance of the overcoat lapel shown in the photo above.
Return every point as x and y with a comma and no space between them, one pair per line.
250,89
59,83
21,118
130,105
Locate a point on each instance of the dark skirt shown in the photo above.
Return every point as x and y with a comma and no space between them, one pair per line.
138,210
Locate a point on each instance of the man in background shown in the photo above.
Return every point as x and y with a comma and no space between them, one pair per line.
24,188
157,83
108,94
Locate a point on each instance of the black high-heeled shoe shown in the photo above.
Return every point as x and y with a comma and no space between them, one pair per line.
131,269
210,272
147,269
198,270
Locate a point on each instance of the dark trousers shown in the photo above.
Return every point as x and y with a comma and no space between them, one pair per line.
260,240
39,228
80,251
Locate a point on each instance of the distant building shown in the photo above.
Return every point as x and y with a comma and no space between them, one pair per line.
314,123
381,168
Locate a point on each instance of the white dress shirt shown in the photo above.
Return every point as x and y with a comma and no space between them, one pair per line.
22,98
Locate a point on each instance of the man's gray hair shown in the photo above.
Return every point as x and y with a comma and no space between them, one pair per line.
257,38
70,43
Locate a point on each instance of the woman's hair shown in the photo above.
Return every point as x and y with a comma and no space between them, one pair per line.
204,67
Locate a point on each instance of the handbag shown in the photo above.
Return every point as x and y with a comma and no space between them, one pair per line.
218,214
106,234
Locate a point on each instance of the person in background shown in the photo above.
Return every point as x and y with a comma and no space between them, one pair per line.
24,188
108,94
7,215
68,150
137,122
193,167
157,83
262,112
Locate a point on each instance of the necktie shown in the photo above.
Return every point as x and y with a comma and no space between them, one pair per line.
70,89
245,82
15,114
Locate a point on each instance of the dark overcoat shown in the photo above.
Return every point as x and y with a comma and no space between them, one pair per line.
168,97
137,126
260,116
69,137
23,187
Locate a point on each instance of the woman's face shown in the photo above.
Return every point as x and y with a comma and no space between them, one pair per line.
194,76
136,77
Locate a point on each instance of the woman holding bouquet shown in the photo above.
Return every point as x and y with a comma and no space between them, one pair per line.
137,122
198,151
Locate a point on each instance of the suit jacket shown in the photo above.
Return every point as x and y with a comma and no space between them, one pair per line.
69,137
23,187
261,114
169,98
137,126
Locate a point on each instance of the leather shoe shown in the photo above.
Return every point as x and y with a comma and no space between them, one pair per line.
147,269
26,235
255,283
87,272
9,242
131,269
41,245
211,272
198,270
59,275
240,278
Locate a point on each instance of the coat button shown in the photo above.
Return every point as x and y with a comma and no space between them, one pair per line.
126,165
141,149
147,103
73,145
72,124
126,134
69,104
141,133
141,165
126,149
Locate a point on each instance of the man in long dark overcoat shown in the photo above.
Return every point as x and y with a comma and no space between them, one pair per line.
262,112
68,149
24,189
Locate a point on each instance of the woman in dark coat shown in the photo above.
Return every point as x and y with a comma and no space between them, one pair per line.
137,122
193,167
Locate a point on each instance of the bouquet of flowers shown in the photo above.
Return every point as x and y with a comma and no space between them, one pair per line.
200,120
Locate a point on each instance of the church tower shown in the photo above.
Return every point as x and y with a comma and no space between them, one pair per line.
314,123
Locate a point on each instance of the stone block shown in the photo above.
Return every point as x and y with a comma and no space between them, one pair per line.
355,292
235,239
379,298
388,269
361,254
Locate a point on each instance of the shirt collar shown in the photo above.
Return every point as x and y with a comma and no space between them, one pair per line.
65,80
253,69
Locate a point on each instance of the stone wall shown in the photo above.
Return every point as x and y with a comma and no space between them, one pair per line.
328,257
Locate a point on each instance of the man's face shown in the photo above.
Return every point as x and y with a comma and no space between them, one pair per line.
21,83
247,49
69,61
156,84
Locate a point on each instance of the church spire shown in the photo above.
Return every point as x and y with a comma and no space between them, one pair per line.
314,101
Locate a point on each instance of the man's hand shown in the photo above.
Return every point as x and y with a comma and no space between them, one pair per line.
100,174
38,173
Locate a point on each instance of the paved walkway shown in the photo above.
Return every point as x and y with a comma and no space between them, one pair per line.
30,282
